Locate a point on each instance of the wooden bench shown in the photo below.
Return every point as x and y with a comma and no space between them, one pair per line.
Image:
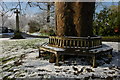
84,46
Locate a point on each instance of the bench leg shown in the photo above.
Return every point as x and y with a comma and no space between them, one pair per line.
52,58
57,60
94,61
111,52
39,53
62,58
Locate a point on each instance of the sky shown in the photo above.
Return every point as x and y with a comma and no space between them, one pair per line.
61,0
107,4
32,10
26,8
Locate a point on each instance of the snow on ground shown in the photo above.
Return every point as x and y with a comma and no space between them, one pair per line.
28,65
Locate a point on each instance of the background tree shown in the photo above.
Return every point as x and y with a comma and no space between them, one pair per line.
47,7
3,14
46,10
106,21
33,26
24,19
118,20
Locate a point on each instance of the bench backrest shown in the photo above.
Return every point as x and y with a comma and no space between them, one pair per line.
75,42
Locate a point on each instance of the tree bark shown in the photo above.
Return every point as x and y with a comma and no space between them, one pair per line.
48,12
64,19
74,18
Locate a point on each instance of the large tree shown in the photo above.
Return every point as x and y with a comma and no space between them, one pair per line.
74,18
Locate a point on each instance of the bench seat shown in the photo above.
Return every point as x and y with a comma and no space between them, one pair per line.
75,51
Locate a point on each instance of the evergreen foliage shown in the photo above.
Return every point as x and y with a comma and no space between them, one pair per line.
106,22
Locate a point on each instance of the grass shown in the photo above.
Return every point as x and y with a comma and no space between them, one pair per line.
1,59
111,38
44,34
9,49
21,44
8,59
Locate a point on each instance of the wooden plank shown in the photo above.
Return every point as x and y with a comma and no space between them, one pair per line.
81,42
70,43
74,43
52,41
64,42
49,41
39,53
78,43
58,42
46,49
85,44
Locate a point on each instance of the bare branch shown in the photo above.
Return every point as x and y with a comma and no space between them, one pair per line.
19,4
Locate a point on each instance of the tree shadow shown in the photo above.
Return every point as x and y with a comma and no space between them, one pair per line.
25,35
104,60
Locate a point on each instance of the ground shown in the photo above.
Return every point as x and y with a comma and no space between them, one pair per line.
19,59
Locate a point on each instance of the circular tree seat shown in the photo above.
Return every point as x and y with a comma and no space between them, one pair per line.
75,42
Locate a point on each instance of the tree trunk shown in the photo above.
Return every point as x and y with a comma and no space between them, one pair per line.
48,12
74,18
64,19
